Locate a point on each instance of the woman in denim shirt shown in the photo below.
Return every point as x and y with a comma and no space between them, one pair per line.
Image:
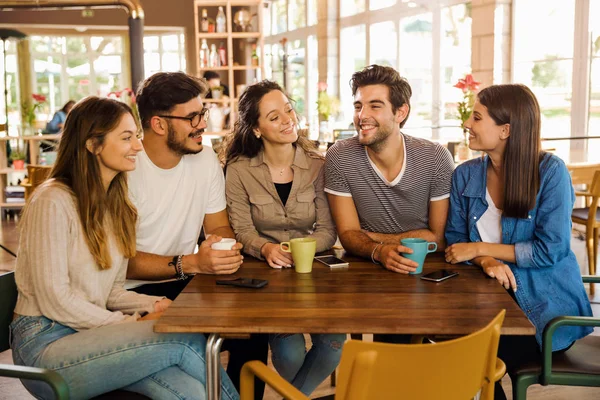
274,187
510,213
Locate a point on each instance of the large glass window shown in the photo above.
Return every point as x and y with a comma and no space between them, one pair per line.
416,46
353,57
384,44
455,60
351,7
164,53
296,14
14,109
379,4
546,66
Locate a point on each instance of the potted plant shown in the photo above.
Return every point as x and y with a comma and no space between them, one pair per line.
468,85
29,109
18,159
327,106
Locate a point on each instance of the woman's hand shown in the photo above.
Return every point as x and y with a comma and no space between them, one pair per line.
459,252
150,316
162,305
500,271
276,258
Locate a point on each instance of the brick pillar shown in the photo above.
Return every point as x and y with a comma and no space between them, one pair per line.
491,41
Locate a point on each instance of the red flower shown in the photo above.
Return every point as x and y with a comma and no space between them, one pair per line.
40,98
322,86
467,84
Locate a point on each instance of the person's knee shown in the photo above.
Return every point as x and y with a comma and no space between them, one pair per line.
330,346
288,353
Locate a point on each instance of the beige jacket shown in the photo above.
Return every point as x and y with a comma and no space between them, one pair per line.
257,214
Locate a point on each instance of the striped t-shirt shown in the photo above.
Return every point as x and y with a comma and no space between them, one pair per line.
390,207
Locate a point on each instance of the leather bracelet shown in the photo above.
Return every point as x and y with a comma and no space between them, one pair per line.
373,253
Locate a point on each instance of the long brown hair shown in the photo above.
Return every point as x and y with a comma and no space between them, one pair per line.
517,106
242,142
78,169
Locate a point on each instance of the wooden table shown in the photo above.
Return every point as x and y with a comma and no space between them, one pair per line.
363,298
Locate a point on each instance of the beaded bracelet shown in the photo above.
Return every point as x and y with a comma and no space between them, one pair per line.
178,265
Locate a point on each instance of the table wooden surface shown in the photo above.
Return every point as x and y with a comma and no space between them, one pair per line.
363,298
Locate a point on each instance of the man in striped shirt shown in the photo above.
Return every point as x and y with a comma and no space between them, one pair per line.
383,185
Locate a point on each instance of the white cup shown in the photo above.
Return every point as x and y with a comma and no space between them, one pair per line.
224,244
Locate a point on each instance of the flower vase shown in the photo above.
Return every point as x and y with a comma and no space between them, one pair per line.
463,153
18,164
324,132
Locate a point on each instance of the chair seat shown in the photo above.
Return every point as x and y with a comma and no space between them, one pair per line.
582,213
582,358
121,395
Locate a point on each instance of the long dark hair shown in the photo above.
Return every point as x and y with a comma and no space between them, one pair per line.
242,142
78,169
517,106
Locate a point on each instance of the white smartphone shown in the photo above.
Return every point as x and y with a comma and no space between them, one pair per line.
332,261
439,276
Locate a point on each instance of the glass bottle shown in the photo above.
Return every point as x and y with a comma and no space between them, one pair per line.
254,56
204,21
221,22
213,57
222,55
204,53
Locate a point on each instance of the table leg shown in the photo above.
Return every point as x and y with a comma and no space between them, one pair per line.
213,372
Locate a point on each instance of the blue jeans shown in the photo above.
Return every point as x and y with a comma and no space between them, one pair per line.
306,370
129,356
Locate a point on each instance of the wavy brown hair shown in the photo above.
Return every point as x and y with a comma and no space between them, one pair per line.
78,169
242,142
517,106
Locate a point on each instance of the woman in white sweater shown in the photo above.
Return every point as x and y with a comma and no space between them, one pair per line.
73,314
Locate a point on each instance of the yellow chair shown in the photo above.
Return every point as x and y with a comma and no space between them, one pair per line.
452,370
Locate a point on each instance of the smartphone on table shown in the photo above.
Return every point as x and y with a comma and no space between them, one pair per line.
251,283
439,276
332,261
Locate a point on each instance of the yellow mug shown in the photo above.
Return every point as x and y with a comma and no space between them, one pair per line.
303,253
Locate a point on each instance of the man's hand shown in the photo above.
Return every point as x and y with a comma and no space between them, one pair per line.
500,271
209,261
276,258
459,252
390,257
162,305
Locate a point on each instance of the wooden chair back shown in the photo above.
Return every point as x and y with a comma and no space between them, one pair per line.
452,370
37,174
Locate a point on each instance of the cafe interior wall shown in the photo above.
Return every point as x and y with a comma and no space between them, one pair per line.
159,15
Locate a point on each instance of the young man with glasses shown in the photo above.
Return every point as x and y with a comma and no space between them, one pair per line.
179,188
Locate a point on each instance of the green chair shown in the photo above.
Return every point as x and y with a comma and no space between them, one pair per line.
8,299
579,366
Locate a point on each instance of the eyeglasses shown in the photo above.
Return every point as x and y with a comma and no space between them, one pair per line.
194,119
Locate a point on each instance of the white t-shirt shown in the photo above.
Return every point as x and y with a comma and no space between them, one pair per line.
172,203
490,223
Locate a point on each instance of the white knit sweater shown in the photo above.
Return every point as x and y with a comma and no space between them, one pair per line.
56,274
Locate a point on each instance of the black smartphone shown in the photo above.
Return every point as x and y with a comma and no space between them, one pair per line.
440,275
332,261
244,282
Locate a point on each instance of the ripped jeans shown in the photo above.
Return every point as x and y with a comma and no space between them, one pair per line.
306,370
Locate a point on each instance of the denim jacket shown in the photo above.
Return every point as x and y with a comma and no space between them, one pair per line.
546,271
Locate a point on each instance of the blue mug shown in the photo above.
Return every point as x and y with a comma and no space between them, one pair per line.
420,248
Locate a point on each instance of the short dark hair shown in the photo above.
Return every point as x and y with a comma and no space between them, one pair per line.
161,92
399,88
208,75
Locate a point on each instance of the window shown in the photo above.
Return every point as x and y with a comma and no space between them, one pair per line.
416,49
594,106
296,14
384,44
379,4
12,83
546,66
351,7
353,57
164,52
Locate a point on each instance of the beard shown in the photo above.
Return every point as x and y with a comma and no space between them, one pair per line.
179,146
377,141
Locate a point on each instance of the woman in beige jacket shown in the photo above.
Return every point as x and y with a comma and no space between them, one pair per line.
274,186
